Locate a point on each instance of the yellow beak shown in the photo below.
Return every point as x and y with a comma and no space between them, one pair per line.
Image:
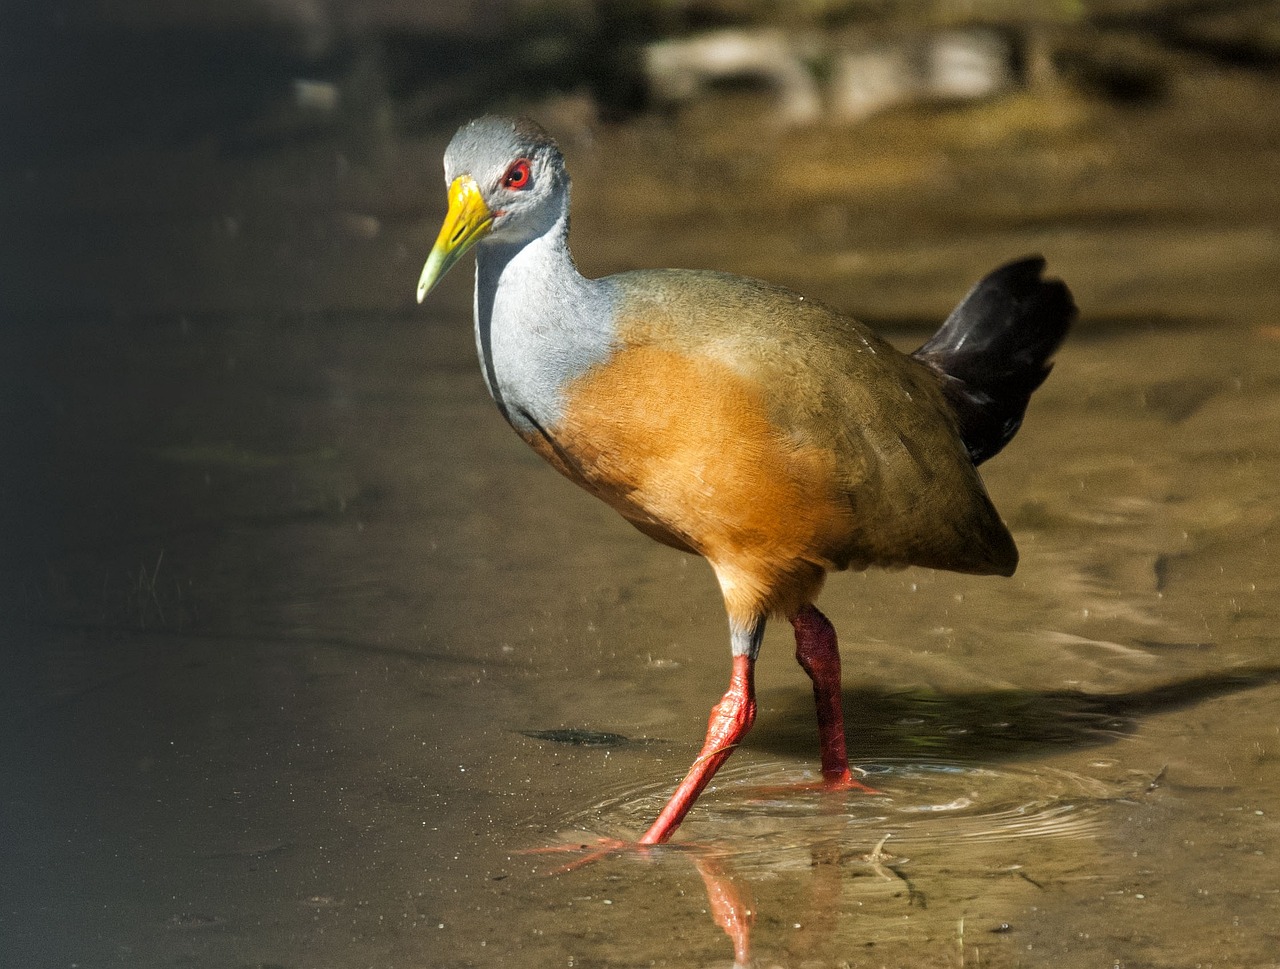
468,221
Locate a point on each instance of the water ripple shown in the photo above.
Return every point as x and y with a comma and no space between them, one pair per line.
765,808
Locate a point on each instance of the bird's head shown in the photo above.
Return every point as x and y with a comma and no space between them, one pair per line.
507,182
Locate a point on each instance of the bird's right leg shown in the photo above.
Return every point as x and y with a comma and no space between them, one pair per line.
819,654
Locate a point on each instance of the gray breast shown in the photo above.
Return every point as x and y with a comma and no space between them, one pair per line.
539,324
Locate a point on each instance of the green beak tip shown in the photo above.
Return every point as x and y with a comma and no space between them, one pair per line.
437,265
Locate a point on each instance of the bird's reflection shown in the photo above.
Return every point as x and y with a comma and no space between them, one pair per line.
731,902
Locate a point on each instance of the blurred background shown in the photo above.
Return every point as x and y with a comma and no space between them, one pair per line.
283,154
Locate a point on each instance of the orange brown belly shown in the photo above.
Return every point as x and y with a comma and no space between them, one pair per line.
683,448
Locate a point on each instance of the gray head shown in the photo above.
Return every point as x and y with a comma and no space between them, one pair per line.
507,183
519,169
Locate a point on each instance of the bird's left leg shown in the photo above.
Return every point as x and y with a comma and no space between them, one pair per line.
819,654
731,718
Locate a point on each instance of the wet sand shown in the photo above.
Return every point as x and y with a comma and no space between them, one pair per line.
283,598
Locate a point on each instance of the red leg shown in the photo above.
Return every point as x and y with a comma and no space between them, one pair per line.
731,718
819,655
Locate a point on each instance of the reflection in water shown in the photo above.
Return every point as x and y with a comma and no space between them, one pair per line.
730,902
827,866
948,813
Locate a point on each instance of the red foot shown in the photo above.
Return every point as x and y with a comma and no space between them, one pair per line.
847,782
602,848
840,782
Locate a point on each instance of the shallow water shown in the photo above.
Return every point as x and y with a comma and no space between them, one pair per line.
307,656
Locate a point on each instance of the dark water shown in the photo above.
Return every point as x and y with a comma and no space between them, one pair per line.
305,652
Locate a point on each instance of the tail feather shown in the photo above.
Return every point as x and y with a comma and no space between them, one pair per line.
994,350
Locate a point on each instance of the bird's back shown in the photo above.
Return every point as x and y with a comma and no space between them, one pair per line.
752,425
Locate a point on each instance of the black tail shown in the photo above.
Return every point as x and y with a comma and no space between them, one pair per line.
994,350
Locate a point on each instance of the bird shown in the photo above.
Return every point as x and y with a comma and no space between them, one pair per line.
740,421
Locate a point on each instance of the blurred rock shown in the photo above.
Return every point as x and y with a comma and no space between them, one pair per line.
682,69
950,65
946,65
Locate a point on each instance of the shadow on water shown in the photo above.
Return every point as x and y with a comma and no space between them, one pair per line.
985,726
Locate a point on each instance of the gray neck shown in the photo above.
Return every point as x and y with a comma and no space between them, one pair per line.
539,324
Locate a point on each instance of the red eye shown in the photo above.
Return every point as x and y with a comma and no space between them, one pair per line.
518,175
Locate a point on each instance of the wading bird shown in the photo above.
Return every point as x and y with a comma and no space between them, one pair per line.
740,421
